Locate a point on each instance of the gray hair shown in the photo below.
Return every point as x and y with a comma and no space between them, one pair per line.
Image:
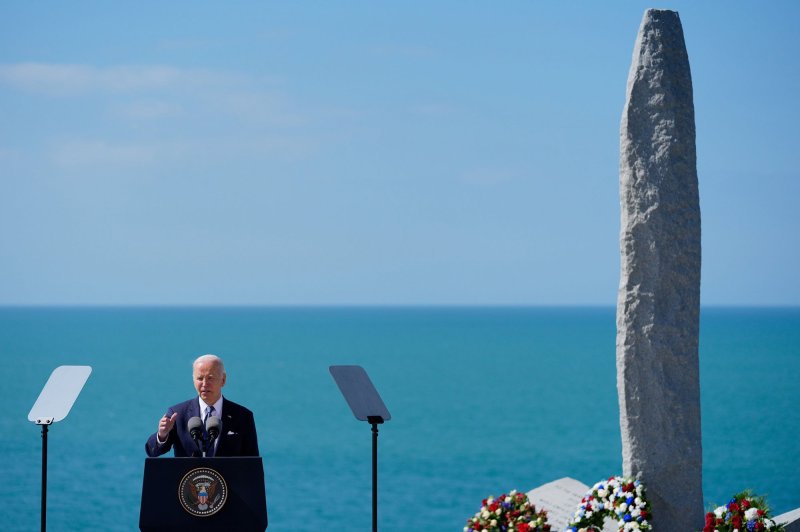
214,359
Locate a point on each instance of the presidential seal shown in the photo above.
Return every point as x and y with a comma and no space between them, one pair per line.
202,492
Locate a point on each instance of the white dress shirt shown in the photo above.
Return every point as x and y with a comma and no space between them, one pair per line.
217,413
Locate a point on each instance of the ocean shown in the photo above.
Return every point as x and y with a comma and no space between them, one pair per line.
483,400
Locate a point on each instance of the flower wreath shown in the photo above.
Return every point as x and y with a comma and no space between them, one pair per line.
512,512
744,511
620,498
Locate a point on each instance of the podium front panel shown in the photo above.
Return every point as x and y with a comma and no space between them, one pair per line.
244,507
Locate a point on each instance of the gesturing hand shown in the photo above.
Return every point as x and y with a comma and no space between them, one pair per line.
165,425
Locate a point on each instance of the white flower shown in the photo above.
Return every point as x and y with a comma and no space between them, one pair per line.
602,493
623,507
493,522
485,514
751,513
719,511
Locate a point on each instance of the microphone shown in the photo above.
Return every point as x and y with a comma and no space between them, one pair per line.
213,427
195,426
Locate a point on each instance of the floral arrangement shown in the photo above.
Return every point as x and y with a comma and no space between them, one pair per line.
508,513
620,498
745,512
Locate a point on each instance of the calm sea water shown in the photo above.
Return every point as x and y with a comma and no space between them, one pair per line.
483,400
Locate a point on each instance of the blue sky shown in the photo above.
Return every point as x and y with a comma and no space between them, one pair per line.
374,152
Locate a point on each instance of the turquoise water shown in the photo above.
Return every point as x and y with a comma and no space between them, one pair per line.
483,400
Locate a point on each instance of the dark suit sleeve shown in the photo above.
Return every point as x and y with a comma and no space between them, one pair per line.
250,443
152,448
239,432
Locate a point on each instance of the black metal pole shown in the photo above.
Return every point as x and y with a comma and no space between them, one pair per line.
44,478
375,421
374,477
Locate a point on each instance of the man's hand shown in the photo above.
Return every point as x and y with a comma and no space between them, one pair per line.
165,425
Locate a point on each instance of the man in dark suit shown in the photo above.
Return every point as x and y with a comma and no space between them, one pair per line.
237,436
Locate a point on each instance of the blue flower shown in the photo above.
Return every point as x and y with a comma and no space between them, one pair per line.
629,500
627,517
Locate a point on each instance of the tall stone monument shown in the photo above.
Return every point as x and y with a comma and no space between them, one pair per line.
658,305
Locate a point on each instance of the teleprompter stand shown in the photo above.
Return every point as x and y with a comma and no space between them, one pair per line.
54,403
366,405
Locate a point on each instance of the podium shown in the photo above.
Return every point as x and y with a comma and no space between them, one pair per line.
199,494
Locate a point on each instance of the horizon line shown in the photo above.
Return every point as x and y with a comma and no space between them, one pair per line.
362,305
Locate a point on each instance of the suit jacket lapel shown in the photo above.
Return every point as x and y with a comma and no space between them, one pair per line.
190,409
194,408
227,424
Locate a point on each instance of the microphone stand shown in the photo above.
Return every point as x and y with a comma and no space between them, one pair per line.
196,432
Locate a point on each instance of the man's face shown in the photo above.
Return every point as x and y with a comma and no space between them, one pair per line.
208,381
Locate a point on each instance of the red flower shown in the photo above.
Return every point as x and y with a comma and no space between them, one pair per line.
760,512
523,527
745,504
736,521
733,507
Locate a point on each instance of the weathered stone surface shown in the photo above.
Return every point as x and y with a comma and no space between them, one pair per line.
791,520
561,499
658,302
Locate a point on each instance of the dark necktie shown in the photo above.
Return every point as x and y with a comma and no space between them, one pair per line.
209,445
